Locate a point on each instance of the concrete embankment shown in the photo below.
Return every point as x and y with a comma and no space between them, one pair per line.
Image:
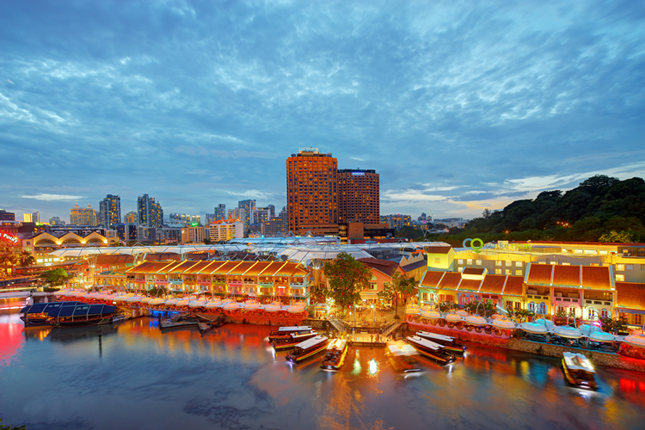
598,358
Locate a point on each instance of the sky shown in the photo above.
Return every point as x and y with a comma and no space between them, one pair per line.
458,105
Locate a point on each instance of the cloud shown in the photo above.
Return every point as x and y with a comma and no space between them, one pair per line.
53,197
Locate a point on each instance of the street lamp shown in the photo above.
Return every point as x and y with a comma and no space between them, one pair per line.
373,315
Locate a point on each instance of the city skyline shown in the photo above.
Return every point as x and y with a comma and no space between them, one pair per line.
458,107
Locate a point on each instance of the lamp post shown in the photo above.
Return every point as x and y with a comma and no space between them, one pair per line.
373,315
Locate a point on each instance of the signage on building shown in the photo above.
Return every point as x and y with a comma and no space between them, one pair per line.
475,245
9,238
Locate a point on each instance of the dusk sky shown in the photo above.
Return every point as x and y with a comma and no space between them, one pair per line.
459,106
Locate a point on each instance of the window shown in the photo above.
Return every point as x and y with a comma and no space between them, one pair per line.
572,311
630,267
591,312
517,306
498,271
518,272
620,267
542,308
478,262
518,264
620,278
638,319
604,313
461,269
498,263
469,262
509,263
460,261
437,260
509,272
531,307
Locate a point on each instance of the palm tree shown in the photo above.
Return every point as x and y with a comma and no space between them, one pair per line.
26,259
6,262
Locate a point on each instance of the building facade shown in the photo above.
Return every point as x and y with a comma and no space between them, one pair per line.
131,218
149,211
312,193
83,216
249,213
358,196
110,210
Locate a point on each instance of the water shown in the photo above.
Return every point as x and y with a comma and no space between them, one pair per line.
135,377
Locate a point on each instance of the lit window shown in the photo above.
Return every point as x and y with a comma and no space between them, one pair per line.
498,263
478,262
498,271
620,267
509,263
460,261
509,272
518,264
469,262
620,278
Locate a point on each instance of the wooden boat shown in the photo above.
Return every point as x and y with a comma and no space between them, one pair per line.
166,325
308,349
400,360
294,339
335,357
579,371
285,332
66,314
431,350
449,342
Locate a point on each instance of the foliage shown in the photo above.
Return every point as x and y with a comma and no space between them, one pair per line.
158,291
410,233
484,308
26,259
4,427
600,208
387,294
56,277
614,325
561,313
7,260
519,315
447,306
318,292
347,278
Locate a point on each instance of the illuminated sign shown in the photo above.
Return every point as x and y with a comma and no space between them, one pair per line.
358,173
472,245
9,238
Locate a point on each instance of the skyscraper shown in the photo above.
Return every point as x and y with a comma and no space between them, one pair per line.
110,210
132,218
220,212
82,216
358,196
249,212
312,199
150,212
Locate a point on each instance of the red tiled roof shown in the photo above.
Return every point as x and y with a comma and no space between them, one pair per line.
514,285
163,256
225,268
539,274
596,278
431,279
271,268
413,266
493,284
473,271
197,266
105,260
470,285
384,266
566,275
181,267
242,267
149,267
450,281
438,249
630,295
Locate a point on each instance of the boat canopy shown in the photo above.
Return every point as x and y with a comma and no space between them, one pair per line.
68,309
578,362
295,328
436,336
311,342
425,342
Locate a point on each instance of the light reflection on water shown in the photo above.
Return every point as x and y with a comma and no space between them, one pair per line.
133,376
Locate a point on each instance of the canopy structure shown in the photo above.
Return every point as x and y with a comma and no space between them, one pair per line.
65,309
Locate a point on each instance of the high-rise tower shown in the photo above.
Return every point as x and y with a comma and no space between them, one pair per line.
312,200
110,210
150,212
358,196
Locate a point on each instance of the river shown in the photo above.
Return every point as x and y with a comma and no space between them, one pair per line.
131,376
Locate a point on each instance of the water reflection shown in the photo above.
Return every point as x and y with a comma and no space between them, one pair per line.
134,376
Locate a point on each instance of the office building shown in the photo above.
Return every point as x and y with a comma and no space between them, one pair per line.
7,216
126,232
55,221
149,211
249,212
225,230
27,217
358,196
312,194
110,211
219,212
83,216
131,218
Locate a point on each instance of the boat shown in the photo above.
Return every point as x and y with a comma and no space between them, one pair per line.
579,371
430,349
449,342
400,359
308,349
335,357
66,314
294,339
285,332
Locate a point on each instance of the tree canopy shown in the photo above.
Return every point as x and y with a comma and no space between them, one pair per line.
347,277
56,277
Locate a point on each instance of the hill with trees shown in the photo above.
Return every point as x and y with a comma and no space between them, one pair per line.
600,209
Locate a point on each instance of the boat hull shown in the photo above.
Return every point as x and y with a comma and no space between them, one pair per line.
334,365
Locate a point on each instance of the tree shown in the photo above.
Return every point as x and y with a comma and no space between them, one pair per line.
484,308
614,325
7,261
626,236
347,278
56,277
4,427
26,259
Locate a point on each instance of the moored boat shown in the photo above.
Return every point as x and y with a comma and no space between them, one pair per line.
400,360
308,349
431,350
579,371
66,314
285,332
335,357
450,343
294,339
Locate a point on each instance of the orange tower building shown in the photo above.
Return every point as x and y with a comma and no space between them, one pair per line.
312,196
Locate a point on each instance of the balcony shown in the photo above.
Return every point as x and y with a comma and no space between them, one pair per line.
265,284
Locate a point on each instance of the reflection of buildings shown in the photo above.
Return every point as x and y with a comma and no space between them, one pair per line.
586,280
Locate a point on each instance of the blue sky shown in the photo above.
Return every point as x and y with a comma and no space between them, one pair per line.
459,106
